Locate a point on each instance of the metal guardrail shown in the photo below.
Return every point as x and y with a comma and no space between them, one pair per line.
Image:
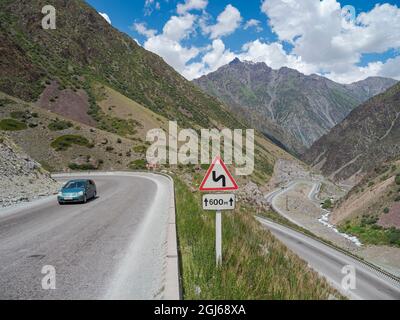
347,253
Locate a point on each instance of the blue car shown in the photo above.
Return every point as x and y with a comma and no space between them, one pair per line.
77,191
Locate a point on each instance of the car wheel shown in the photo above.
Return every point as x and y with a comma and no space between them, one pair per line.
60,203
94,195
84,199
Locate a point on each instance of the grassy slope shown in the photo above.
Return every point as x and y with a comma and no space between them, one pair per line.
83,48
117,105
36,141
368,204
255,265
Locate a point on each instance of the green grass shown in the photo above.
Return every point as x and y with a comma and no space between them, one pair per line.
82,167
255,265
5,101
12,125
19,114
118,126
371,233
141,149
64,142
139,164
327,204
46,166
58,125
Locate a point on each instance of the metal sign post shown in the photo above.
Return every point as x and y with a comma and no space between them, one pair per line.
218,178
218,202
218,238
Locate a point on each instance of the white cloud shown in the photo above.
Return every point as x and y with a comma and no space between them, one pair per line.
149,6
141,28
217,56
105,16
253,23
172,51
321,37
189,5
178,28
168,43
390,69
227,22
274,56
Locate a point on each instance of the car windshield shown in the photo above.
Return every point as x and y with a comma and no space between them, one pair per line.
74,185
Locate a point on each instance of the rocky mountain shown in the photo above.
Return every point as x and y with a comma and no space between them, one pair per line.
370,87
284,104
83,48
99,86
369,136
22,178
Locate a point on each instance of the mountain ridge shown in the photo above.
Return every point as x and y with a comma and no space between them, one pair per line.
368,136
83,48
304,107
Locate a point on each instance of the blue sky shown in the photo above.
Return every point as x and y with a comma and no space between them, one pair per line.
198,36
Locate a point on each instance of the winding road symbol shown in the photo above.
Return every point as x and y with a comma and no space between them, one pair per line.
218,178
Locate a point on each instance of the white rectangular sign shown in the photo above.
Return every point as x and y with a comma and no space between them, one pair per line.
219,202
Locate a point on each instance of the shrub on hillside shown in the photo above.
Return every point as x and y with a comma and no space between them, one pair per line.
139,164
58,125
5,101
139,149
20,115
12,125
64,142
83,167
327,204
394,236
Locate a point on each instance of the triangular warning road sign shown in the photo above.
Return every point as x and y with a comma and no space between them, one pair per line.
218,178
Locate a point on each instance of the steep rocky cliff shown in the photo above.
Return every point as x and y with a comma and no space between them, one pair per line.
21,178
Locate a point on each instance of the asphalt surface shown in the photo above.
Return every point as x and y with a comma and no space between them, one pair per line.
113,247
370,284
272,199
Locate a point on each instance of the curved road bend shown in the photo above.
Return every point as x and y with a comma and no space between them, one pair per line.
113,247
328,262
271,198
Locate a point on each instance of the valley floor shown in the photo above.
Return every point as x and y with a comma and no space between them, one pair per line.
297,196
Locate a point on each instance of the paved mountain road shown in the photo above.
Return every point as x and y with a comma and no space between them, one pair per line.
113,247
327,261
